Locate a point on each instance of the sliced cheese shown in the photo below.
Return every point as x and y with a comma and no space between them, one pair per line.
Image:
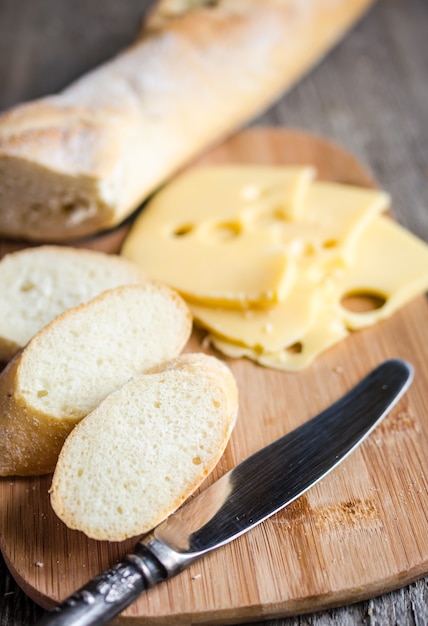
198,234
391,263
293,351
240,273
228,235
268,258
328,331
332,220
297,357
265,330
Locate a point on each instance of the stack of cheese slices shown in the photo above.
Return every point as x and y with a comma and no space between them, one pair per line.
268,258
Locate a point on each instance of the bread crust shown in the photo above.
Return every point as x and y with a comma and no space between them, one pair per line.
30,440
83,160
136,499
31,433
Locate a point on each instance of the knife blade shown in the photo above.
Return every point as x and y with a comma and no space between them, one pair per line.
254,490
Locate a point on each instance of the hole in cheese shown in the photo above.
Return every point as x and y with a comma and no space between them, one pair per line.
363,301
295,348
183,230
226,230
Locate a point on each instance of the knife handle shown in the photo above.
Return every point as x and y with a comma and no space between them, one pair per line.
109,593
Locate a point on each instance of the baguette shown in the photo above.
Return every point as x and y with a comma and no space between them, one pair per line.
145,449
75,361
75,163
37,284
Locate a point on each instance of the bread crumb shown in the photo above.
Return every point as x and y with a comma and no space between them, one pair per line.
39,564
196,576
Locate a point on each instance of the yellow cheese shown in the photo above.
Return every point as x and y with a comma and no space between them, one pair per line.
325,330
265,329
198,234
228,236
391,263
331,222
268,258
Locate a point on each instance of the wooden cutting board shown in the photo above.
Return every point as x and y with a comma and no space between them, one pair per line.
360,532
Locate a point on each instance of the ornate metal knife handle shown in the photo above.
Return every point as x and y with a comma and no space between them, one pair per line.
110,592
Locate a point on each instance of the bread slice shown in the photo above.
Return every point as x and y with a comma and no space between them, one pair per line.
145,449
80,161
75,361
37,284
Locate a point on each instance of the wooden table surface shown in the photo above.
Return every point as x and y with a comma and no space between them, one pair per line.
370,94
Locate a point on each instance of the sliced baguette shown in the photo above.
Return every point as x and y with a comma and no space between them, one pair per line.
80,161
75,361
37,284
145,449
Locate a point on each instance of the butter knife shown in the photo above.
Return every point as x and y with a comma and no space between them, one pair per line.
254,490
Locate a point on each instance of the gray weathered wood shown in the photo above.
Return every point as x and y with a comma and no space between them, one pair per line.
370,95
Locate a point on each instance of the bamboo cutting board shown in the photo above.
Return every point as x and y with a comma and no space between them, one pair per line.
360,532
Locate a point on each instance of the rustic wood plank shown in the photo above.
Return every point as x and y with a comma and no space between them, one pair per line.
370,94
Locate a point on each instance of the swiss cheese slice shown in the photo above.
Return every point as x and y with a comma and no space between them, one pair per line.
228,236
198,234
331,222
268,258
325,236
326,328
271,329
391,263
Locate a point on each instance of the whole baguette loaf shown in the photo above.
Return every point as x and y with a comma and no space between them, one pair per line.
75,361
133,460
37,284
81,161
